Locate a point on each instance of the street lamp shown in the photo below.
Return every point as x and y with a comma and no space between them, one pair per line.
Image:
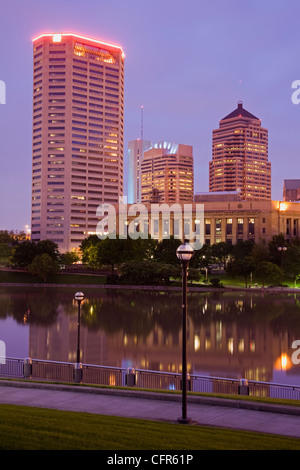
184,254
79,296
282,249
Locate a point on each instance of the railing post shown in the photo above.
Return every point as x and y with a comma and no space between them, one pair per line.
130,377
243,387
188,382
27,368
77,372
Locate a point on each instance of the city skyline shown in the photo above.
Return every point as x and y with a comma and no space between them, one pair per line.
186,82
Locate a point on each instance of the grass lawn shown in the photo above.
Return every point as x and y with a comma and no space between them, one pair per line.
25,428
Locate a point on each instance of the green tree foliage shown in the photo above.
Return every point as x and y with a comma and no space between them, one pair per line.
241,267
7,237
88,250
165,251
42,266
242,249
24,253
202,258
148,273
291,263
220,252
267,272
114,251
69,257
275,256
5,253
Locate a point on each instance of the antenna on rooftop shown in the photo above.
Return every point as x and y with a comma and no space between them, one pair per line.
142,123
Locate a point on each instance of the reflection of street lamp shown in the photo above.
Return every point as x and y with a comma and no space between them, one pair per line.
282,249
206,269
184,254
79,296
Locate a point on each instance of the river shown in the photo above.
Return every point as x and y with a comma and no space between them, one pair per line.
229,334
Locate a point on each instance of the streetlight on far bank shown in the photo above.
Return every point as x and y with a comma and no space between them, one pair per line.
184,254
79,297
282,250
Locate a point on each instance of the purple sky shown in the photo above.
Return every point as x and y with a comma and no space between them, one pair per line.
187,62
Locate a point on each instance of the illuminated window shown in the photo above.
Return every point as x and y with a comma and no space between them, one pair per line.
93,52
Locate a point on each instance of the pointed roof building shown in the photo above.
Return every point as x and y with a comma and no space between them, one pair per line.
240,156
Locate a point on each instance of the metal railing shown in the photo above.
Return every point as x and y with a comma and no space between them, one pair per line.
147,379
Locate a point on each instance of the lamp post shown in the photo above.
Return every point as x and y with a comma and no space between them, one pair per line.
282,249
79,296
184,254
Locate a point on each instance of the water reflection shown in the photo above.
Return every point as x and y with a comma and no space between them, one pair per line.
229,334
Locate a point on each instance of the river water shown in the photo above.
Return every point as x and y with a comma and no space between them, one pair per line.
229,334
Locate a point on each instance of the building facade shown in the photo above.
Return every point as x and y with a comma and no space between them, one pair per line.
240,156
291,190
136,149
223,220
77,158
168,174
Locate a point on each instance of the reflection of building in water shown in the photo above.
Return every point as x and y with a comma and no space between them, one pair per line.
216,346
58,342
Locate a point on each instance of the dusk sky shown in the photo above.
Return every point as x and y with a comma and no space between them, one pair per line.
187,62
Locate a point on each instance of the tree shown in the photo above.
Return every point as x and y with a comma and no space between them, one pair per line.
114,251
277,241
24,253
241,267
5,252
242,249
42,266
143,249
220,252
292,262
202,258
69,257
165,250
268,272
88,249
6,237
148,272
47,247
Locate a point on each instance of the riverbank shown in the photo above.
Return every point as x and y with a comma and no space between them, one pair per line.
269,290
89,282
95,281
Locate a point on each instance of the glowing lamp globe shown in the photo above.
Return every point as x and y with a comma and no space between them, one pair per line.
79,296
184,252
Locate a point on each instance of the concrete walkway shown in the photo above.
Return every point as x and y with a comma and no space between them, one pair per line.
228,413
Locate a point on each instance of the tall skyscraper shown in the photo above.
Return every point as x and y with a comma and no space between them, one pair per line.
78,112
240,156
136,149
168,174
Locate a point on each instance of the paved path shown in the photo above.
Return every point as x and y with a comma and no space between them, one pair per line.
134,404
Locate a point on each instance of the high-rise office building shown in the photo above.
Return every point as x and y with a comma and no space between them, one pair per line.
291,190
240,156
168,174
136,149
78,112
